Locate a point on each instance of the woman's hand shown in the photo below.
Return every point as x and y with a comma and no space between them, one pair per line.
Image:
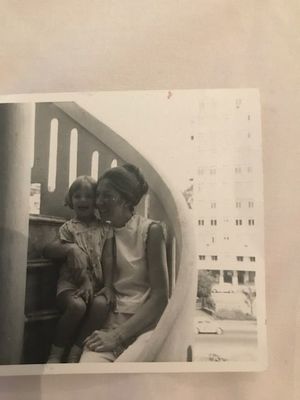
85,291
110,296
100,341
77,261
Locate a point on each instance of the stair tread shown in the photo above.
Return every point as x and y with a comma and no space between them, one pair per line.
40,262
42,315
43,312
39,218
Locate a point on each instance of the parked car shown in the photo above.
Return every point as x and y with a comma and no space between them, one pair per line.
208,325
223,288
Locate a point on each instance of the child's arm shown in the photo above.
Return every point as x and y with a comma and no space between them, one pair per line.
85,290
58,250
65,248
63,245
77,260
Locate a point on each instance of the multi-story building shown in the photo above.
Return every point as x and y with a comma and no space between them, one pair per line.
228,188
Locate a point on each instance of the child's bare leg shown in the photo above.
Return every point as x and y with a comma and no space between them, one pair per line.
73,311
95,318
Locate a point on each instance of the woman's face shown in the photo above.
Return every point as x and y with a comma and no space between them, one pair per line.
108,201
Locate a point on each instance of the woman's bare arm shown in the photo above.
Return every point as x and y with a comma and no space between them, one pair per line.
107,260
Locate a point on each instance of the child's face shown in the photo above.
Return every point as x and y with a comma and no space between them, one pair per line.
83,201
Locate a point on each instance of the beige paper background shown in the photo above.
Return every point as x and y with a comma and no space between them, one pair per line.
57,46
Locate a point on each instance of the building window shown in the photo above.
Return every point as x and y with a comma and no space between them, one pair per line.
252,259
192,137
226,237
237,170
251,204
213,239
238,222
240,258
214,258
251,222
249,135
201,171
213,204
213,222
201,257
249,169
238,204
241,277
212,171
200,221
228,276
251,277
238,103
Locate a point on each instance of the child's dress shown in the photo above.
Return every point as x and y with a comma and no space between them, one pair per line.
90,238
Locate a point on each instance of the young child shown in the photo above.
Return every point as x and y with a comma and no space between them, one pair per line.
83,297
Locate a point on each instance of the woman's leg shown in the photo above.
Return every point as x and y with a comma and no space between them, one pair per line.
135,351
113,321
89,356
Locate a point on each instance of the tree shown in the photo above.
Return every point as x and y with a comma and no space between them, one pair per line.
205,283
250,297
188,195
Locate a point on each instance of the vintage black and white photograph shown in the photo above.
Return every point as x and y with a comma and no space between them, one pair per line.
132,236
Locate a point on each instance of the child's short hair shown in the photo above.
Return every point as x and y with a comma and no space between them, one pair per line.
77,184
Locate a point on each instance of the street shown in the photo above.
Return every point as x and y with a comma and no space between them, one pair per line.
237,343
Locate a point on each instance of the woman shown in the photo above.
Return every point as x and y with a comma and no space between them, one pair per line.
140,276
